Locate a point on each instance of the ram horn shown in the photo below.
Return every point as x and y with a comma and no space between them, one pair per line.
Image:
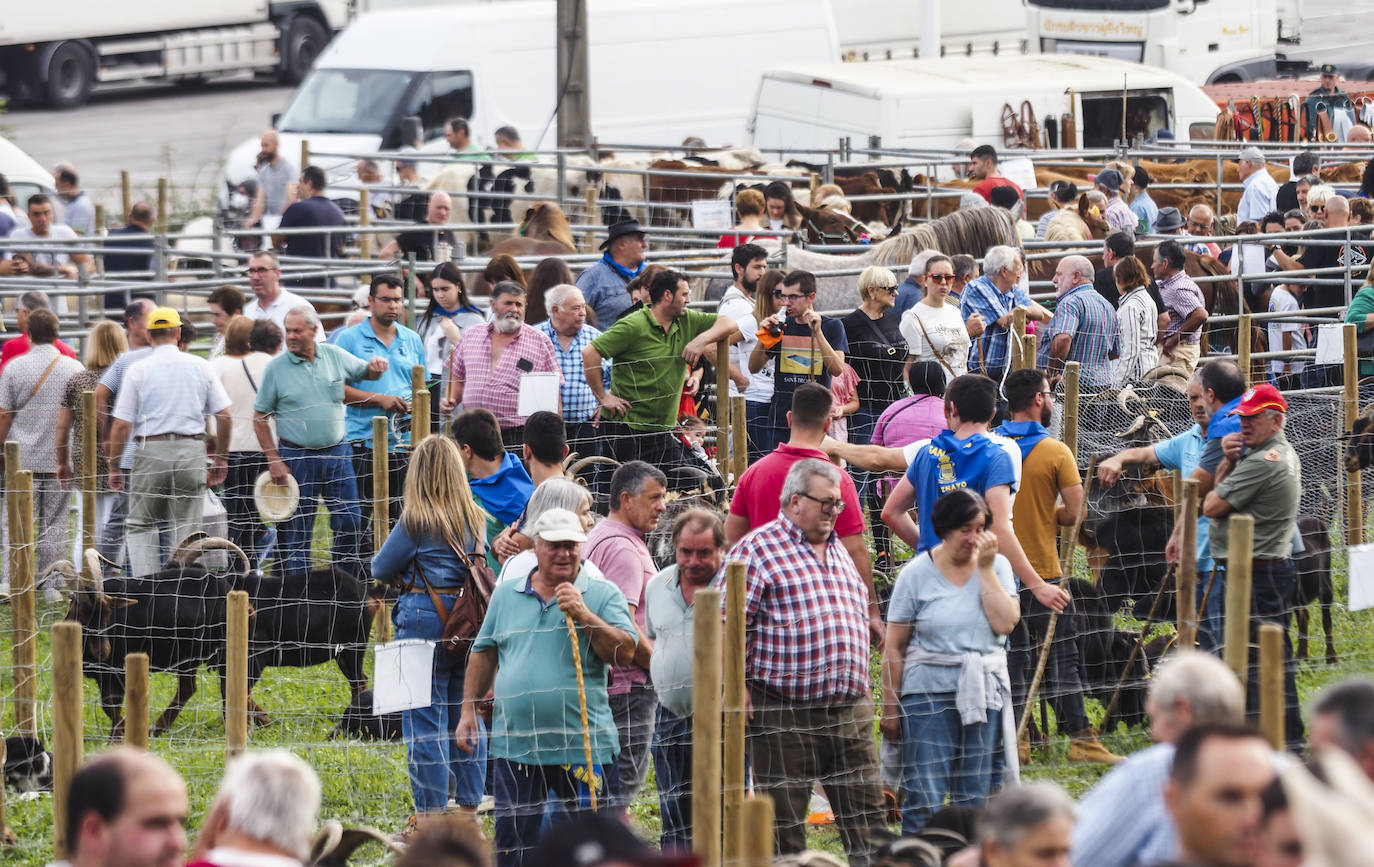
93,576
195,549
180,555
63,568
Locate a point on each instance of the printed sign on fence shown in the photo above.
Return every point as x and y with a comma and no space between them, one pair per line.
711,214
1361,577
402,675
538,392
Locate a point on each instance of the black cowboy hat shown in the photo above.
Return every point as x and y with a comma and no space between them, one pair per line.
621,229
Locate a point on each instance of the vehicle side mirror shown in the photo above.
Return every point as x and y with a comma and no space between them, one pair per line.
412,131
276,117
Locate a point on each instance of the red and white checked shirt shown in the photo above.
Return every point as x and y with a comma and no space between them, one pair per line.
497,388
806,622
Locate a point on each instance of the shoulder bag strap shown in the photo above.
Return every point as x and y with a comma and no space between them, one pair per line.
244,362
878,332
933,351
438,603
42,379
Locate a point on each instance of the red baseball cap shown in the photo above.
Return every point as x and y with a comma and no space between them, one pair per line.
1256,400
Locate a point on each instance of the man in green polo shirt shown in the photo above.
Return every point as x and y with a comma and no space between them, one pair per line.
524,655
650,351
303,390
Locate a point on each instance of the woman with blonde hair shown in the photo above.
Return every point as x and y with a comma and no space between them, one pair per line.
103,345
427,554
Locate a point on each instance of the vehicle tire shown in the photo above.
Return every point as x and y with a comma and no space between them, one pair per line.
304,39
71,75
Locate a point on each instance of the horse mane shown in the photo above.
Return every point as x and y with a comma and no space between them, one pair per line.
546,221
972,231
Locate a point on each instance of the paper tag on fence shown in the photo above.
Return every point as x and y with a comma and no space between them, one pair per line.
711,214
1361,577
538,392
402,675
1330,344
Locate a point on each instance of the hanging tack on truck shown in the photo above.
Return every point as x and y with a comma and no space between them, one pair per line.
59,56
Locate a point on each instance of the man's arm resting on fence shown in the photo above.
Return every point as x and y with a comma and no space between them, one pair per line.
1110,470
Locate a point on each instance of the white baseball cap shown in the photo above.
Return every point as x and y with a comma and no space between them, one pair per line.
559,525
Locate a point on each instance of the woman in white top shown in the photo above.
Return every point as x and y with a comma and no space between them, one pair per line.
448,315
933,329
1139,319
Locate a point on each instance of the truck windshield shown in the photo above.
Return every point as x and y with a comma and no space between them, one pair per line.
359,101
1103,5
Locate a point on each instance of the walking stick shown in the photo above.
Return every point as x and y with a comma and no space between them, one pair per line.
1207,593
1064,565
582,703
1135,651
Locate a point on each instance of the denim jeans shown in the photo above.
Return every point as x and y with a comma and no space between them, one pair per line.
942,756
111,533
634,723
245,524
1210,620
522,793
757,429
322,474
672,752
432,756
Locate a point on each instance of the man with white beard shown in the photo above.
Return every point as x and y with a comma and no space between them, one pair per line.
489,361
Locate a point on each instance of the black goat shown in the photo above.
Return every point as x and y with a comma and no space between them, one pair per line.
1103,652
1314,583
334,844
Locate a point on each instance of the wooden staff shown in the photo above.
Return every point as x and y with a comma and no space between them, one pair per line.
582,706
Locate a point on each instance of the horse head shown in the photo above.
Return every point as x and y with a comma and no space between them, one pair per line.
826,226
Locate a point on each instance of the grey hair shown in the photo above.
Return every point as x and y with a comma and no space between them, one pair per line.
35,300
557,295
506,287
1211,689
272,797
917,268
799,478
630,478
1017,810
1278,416
307,311
276,263
1000,258
556,493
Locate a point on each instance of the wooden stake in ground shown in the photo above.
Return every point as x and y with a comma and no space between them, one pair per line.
1354,501
1240,540
1271,683
706,734
582,706
723,409
23,607
89,483
67,742
236,674
733,763
136,700
381,477
758,843
1186,600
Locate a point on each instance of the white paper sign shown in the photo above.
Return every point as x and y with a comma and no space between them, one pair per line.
402,675
711,214
538,393
1330,344
1361,577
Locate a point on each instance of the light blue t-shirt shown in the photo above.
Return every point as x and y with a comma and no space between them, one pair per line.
112,379
1182,453
406,351
946,619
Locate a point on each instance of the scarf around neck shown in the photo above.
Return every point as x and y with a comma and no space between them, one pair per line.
621,269
1026,434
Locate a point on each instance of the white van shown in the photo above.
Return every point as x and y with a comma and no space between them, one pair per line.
660,70
940,103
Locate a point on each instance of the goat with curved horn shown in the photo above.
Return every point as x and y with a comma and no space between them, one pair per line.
63,568
179,556
92,575
193,549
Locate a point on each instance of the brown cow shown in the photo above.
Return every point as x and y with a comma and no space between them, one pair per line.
868,184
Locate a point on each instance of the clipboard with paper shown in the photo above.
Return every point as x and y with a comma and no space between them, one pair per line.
538,393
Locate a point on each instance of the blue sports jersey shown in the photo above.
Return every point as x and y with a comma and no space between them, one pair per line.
947,463
1223,422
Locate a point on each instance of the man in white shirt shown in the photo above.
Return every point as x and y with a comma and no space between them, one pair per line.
1260,187
47,260
1286,336
270,301
747,263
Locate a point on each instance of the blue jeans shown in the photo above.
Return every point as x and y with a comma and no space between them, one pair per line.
757,428
634,723
1210,630
522,792
433,759
942,756
322,474
672,752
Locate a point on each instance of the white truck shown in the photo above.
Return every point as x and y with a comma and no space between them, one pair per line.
61,50
1206,41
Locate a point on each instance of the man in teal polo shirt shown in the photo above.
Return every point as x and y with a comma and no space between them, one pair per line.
650,351
524,652
303,390
381,336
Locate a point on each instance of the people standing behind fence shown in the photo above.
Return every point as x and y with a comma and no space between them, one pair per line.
1287,335
270,301
944,698
139,222
1122,820
910,290
807,665
617,546
933,329
781,208
1303,165
490,361
1201,222
111,542
1180,344
447,315
1215,794
20,343
751,208
1061,194
164,401
225,302
77,209
311,210
605,283
275,176
302,390
524,653
993,298
459,136
550,272
248,347
1118,214
650,351
758,393
877,350
1261,189
1137,317
499,481
748,263
427,554
104,344
1260,476
1083,328
1144,207
126,807
568,332
425,244
502,267
264,813
46,260
982,167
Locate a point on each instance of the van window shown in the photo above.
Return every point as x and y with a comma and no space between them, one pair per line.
1146,114
345,101
439,97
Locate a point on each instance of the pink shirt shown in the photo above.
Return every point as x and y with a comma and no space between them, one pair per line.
759,495
497,387
621,554
910,419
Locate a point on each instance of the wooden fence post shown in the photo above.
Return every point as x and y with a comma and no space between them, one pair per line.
381,495
758,844
1271,707
365,220
1354,498
126,198
22,604
723,408
236,674
1243,347
6,835
67,740
89,481
706,733
1186,601
305,153
136,700
733,775
1240,540
739,437
162,206
1017,344
419,406
1071,380
589,239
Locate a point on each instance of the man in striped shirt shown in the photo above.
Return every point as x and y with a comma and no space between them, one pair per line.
1083,328
1183,302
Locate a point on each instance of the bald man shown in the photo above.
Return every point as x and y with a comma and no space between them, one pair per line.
1083,329
1201,220
1359,134
275,175
424,242
126,808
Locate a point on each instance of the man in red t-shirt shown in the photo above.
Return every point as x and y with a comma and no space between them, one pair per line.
16,346
758,499
982,167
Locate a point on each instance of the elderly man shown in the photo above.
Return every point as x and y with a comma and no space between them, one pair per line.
264,813
303,390
807,665
490,360
163,403
20,344
1118,214
669,604
1180,342
1122,820
44,260
311,210
31,390
424,244
993,297
126,808
524,652
1216,785
1201,222
568,332
459,136
1026,826
1260,476
1343,719
650,351
604,283
1260,187
275,175
270,301
1083,328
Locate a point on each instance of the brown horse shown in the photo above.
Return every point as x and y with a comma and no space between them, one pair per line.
543,232
827,226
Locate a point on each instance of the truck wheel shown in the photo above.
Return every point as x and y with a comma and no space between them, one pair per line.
71,74
304,39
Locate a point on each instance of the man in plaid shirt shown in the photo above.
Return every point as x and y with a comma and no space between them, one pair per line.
993,297
568,331
1084,327
806,662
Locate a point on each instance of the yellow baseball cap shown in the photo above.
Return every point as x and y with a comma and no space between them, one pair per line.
163,317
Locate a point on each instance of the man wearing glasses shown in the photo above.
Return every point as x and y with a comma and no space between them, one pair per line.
994,297
1199,225
270,301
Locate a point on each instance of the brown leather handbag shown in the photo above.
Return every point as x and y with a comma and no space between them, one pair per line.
462,623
